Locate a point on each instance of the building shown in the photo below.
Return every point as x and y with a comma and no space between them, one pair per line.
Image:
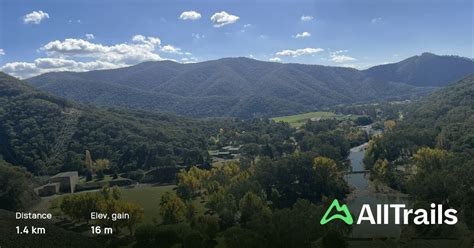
231,149
226,152
48,189
224,155
234,150
67,181
213,153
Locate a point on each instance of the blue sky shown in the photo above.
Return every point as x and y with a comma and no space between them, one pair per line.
53,35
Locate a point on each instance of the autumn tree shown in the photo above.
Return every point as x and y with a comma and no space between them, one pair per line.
381,170
428,159
172,209
389,125
79,206
101,165
188,184
136,215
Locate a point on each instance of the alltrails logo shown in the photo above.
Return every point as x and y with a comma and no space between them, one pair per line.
401,215
347,217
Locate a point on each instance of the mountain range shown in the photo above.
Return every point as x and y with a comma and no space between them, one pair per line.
244,87
425,70
47,134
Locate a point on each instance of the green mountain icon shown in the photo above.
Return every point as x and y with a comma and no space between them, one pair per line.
347,217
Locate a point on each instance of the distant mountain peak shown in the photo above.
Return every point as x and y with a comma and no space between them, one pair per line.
428,54
427,69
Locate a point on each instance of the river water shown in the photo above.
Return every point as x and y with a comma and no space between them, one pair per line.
364,194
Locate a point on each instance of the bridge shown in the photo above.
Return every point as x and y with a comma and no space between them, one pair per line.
357,172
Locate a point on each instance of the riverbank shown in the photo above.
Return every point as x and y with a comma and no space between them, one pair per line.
364,192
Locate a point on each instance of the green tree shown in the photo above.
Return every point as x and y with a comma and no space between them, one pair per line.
299,176
194,239
137,175
13,187
250,205
250,150
172,209
207,225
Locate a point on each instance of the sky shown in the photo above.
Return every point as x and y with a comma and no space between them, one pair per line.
38,36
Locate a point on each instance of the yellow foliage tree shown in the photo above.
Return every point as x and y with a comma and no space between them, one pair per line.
389,125
172,209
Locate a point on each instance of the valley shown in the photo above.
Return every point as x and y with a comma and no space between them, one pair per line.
236,124
218,178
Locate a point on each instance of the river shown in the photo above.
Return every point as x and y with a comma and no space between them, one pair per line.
364,193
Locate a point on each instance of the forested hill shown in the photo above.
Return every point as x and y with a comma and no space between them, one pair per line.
445,118
238,87
46,134
430,153
426,69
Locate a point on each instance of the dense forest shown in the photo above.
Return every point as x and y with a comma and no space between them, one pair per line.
284,178
429,153
242,87
47,134
273,195
426,69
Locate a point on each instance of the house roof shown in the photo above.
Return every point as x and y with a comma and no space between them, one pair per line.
66,174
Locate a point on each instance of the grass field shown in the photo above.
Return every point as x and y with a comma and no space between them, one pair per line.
300,119
148,197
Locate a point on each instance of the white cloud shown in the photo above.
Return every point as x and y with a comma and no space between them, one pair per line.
299,52
275,59
35,17
377,19
190,15
151,41
2,52
189,60
90,36
43,65
306,18
170,49
74,21
223,18
338,57
247,25
84,55
198,36
141,50
303,35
